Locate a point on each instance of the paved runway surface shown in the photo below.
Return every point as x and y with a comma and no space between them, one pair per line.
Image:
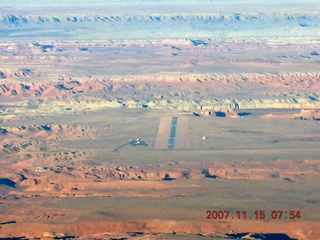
173,131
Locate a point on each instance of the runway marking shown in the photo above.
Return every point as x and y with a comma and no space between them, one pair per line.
174,133
173,130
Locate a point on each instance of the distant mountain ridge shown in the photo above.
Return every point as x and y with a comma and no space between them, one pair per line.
305,19
159,26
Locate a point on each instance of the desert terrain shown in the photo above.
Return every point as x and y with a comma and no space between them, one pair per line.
137,119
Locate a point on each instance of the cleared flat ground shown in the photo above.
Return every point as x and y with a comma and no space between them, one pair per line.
163,133
183,136
249,133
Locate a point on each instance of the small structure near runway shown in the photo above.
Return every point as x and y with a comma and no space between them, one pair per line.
134,143
219,114
138,142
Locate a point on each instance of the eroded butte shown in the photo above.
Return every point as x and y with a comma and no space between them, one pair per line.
135,124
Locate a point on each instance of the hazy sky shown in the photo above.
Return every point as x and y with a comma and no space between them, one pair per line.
14,7
73,2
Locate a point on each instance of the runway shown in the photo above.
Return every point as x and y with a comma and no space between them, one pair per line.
183,137
173,131
163,133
